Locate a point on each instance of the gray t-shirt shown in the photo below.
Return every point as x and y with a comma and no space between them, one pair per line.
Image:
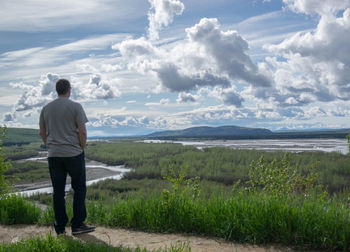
61,119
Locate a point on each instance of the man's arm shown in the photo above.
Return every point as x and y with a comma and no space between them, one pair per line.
43,134
82,135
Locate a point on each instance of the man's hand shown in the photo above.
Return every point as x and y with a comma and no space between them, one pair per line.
82,135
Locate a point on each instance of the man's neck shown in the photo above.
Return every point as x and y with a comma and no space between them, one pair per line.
64,96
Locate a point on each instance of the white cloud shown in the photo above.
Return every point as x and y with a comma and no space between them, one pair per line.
228,50
186,97
228,96
324,7
42,15
68,58
161,14
36,96
96,88
162,102
209,57
104,120
316,64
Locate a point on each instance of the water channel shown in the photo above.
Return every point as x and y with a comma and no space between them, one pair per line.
291,145
95,172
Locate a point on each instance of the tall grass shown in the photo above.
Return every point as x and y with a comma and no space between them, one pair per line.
16,210
245,217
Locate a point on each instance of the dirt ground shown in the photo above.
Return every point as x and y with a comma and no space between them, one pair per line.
134,239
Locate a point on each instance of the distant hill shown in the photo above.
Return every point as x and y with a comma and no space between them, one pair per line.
235,132
19,136
206,131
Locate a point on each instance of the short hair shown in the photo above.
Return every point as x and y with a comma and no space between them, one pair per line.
62,86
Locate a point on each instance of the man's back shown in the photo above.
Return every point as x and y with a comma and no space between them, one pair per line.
61,119
62,129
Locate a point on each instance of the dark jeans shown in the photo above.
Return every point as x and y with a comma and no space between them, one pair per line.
75,167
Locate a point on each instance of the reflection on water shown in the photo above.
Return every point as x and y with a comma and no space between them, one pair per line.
292,145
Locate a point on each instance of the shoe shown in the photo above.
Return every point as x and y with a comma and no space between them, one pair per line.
61,233
82,229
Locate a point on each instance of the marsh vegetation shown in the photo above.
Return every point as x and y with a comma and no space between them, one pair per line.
298,199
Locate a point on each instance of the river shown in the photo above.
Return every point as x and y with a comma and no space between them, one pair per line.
291,145
95,171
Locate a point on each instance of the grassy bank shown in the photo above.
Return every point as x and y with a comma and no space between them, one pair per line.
59,244
252,217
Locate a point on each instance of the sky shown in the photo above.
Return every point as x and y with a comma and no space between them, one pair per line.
140,66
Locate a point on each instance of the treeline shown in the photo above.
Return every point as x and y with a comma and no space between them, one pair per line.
19,136
15,152
341,134
218,164
27,172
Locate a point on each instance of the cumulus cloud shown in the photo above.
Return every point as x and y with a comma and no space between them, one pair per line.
161,14
121,120
96,88
172,78
186,97
36,96
209,57
228,49
316,64
324,7
228,96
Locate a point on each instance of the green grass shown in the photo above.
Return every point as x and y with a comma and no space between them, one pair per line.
28,172
59,244
307,222
14,152
20,136
217,164
252,218
16,210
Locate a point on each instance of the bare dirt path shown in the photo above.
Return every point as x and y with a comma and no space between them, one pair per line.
134,239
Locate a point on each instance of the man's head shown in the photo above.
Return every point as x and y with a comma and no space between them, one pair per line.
63,87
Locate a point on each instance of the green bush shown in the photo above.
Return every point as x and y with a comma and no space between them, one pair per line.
279,177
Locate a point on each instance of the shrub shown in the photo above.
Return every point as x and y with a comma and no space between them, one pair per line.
279,177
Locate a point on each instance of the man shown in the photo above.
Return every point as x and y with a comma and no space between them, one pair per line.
63,131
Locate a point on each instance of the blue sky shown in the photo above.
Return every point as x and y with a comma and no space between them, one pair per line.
139,66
